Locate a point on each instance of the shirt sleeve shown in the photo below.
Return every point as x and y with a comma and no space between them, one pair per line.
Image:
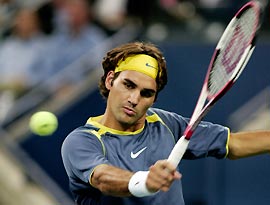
208,140
82,151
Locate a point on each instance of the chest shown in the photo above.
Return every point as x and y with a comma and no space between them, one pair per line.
138,152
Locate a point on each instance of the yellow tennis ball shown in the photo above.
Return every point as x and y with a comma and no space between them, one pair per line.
43,123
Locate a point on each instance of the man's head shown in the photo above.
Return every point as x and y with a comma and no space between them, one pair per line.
26,23
78,14
142,57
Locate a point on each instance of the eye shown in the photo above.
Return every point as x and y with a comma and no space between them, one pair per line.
129,85
147,93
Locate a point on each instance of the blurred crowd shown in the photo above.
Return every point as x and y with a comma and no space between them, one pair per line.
42,38
39,38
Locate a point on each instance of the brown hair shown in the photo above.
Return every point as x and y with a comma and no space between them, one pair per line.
112,58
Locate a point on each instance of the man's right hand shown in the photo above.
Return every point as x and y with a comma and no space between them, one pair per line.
161,176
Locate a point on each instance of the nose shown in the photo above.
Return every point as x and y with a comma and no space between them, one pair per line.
134,98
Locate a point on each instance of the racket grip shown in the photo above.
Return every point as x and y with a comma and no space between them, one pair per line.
178,151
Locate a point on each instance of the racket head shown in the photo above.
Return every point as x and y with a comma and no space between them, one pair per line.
228,61
233,50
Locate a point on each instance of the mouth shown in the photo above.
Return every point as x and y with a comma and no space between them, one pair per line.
129,111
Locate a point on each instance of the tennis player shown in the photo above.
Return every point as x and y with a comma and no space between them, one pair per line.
119,158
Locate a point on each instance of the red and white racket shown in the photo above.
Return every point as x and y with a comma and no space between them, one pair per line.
228,61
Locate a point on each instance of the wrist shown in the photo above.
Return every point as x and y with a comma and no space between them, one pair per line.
137,184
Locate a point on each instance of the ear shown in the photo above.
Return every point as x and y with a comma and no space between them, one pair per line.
109,80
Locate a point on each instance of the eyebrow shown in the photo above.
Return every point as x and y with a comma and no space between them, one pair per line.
130,82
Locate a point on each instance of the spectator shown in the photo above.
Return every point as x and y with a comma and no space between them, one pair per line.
19,51
67,46
7,10
53,16
111,14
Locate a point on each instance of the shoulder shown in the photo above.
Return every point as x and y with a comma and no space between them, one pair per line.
80,137
83,141
166,115
9,43
97,30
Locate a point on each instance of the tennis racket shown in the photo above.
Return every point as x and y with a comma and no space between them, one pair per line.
227,63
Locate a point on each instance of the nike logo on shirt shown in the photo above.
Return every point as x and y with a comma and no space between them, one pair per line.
135,155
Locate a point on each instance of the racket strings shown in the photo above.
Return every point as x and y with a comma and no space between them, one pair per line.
237,40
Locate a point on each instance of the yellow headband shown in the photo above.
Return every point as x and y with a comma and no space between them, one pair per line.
141,63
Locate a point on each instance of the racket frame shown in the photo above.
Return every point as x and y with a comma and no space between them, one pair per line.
205,101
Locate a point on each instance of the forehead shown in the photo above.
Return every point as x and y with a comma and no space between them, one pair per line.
140,79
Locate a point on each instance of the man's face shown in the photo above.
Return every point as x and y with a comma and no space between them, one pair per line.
26,24
131,94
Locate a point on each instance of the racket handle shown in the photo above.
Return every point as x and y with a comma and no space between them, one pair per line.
178,151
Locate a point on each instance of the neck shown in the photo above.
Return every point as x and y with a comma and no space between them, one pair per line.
107,121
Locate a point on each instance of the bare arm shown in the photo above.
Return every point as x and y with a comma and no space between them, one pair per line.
245,144
114,181
111,180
